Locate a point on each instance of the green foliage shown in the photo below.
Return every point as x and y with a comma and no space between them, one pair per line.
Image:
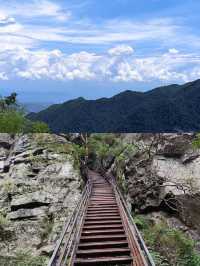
8,102
78,152
169,246
99,144
159,259
163,110
111,145
23,258
107,144
13,120
39,127
196,142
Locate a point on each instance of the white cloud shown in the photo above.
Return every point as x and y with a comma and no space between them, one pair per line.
80,32
3,76
55,65
36,8
42,64
24,28
127,72
173,51
5,20
121,50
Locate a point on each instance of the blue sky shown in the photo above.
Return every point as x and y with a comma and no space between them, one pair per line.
52,51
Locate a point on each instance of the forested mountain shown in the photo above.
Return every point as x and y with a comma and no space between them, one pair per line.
171,108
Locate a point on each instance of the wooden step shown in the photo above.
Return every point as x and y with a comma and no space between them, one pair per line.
113,218
103,215
104,261
102,194
103,222
104,226
99,203
105,196
105,244
102,202
103,252
102,238
103,232
102,211
103,208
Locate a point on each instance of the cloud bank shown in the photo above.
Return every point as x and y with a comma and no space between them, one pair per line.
25,29
119,64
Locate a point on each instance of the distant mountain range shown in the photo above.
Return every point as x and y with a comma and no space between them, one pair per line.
174,108
34,107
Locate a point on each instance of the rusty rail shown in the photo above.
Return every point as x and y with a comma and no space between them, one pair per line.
140,250
64,251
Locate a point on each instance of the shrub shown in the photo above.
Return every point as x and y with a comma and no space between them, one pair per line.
196,142
12,122
169,246
39,127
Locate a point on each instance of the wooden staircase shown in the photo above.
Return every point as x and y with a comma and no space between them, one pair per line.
103,238
101,230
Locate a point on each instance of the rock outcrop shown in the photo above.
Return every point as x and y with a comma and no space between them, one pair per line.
39,188
162,177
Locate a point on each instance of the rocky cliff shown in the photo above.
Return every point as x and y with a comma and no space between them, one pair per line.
162,179
39,188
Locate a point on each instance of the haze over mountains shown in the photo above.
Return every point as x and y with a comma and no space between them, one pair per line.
173,108
34,107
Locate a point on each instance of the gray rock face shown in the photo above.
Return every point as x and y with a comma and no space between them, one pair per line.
6,141
31,200
39,189
27,213
163,175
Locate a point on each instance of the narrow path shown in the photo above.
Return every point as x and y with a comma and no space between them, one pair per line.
103,238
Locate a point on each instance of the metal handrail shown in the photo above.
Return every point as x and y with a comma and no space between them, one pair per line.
63,250
122,200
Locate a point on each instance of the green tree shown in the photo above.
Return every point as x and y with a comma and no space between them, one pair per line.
40,127
10,100
12,122
13,119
